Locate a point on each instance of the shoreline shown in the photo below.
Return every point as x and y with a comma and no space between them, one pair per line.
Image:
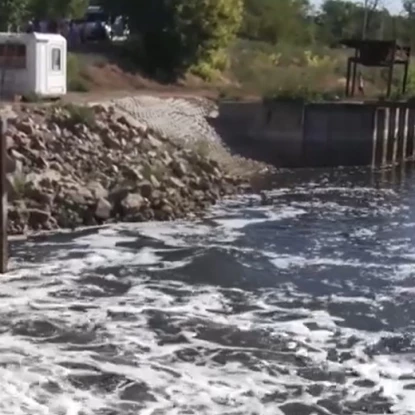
33,235
77,167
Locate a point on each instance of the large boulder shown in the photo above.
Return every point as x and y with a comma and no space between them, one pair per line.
103,209
132,204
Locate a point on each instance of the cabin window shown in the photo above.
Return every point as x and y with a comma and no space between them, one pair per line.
56,59
12,56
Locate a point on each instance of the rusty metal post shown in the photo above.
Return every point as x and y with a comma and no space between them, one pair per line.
3,199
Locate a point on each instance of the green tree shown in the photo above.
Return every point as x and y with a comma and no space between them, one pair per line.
13,13
409,23
275,21
56,9
409,7
345,19
206,27
176,34
338,19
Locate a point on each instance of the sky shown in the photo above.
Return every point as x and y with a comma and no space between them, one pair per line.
395,6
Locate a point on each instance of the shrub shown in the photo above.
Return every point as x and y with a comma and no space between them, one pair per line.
31,97
285,71
71,115
80,114
75,74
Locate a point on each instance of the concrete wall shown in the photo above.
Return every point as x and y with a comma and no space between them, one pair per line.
267,132
338,134
291,134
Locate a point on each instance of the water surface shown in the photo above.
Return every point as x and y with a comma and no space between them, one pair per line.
304,306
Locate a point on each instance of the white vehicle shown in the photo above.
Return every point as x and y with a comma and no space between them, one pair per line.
119,28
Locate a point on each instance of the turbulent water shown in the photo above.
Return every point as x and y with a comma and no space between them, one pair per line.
303,306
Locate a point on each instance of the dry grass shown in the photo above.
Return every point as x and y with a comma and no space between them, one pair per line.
255,69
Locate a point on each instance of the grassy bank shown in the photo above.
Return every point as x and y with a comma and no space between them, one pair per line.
253,68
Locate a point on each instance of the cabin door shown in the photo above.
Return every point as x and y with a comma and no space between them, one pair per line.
55,75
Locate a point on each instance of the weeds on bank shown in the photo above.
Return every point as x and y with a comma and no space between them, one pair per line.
285,71
76,76
19,185
80,114
70,115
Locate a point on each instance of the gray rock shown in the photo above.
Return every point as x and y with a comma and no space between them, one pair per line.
174,181
179,169
39,194
97,189
146,188
26,126
40,219
10,164
103,209
155,182
78,195
110,140
153,141
132,204
132,173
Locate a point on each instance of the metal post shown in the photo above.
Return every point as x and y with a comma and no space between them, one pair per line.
365,20
405,77
354,74
3,199
391,67
349,65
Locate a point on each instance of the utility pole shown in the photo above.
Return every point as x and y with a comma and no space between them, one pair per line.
369,6
365,19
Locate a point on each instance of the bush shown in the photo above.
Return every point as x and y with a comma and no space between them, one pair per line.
71,115
411,81
31,97
212,65
80,114
285,71
76,81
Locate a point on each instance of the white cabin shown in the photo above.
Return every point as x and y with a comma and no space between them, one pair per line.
33,63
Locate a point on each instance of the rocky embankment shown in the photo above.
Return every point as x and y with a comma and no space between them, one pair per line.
82,166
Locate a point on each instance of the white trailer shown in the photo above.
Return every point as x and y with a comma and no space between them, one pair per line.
33,63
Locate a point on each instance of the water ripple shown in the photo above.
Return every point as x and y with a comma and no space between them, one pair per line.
301,307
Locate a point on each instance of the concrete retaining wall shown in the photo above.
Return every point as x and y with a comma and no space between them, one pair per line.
338,134
270,133
293,134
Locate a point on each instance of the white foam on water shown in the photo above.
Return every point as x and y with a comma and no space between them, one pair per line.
270,214
386,372
285,261
103,306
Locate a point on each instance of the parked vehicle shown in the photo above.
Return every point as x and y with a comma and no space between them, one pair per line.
119,27
96,25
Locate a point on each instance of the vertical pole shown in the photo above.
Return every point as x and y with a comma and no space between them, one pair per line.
3,198
405,77
349,64
375,136
365,19
354,78
405,122
386,137
390,79
391,67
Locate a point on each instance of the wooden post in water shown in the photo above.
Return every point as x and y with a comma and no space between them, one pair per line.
3,197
